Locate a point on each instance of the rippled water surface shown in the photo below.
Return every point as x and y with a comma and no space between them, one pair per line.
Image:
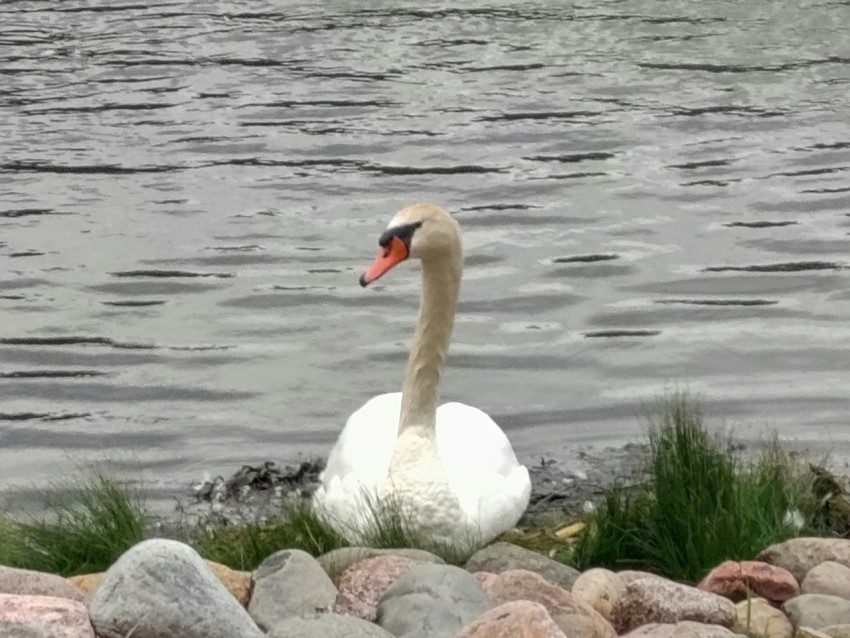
653,193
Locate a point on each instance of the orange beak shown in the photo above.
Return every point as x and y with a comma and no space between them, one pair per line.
390,255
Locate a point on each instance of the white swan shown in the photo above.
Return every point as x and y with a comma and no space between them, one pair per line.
451,469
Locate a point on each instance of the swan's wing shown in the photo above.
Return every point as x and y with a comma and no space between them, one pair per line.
468,438
365,445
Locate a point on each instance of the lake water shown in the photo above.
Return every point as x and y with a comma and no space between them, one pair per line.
654,194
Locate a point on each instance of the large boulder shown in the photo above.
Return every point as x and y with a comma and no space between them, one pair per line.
162,589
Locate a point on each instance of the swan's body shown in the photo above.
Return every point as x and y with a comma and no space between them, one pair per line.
451,470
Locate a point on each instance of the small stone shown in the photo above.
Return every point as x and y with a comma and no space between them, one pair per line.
290,582
653,600
31,583
736,579
827,578
86,583
362,585
575,618
410,603
28,616
328,625
799,555
162,589
238,583
817,610
684,629
757,617
599,588
501,557
336,561
516,619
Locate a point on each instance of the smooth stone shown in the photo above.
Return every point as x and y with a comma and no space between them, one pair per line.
653,600
817,610
236,582
411,603
288,583
362,585
828,578
759,618
684,629
328,625
161,588
516,619
600,588
501,557
575,618
799,555
36,616
336,561
837,631
737,579
27,582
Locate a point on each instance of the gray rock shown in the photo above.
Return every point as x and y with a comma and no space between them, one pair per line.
12,629
289,583
30,583
162,589
327,626
817,610
501,557
827,578
432,600
337,561
799,555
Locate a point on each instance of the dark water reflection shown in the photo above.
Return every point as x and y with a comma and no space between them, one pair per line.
655,194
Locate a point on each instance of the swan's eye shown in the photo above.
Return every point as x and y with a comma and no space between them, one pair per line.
404,232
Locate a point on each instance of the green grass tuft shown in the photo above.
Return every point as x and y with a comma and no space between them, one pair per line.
700,504
90,526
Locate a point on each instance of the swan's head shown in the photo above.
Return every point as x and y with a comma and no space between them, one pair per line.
420,231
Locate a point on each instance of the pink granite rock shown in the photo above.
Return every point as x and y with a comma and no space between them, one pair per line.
654,600
516,619
26,582
733,579
575,618
48,615
364,583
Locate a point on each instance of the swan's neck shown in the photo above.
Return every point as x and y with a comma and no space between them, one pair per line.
421,390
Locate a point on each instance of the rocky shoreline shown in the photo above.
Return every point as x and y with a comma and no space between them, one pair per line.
163,589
